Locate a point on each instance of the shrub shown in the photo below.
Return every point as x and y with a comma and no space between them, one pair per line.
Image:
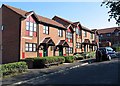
42,62
11,68
88,54
78,56
69,59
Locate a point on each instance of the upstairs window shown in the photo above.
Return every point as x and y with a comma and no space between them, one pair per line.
91,36
78,31
35,27
69,36
31,28
108,34
46,30
100,35
117,34
85,34
60,33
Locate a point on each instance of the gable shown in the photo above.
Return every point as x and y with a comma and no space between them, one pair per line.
116,30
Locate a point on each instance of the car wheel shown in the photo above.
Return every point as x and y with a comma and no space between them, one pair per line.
109,57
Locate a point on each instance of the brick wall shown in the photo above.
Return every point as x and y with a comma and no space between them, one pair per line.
11,35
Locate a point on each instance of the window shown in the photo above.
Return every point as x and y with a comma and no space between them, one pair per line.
69,36
78,45
26,47
108,34
30,28
85,34
46,29
78,31
69,50
101,35
60,33
91,36
34,47
35,26
27,25
117,34
30,47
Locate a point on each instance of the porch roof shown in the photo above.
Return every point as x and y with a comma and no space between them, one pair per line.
47,41
63,43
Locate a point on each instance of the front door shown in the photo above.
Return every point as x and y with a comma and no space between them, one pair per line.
60,51
45,51
85,48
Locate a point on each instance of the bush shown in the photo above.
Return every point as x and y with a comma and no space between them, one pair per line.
69,59
46,61
78,57
89,54
11,68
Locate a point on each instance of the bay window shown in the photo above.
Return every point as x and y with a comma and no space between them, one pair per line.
78,31
69,36
31,28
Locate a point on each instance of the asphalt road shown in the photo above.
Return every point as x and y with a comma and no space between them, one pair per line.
107,72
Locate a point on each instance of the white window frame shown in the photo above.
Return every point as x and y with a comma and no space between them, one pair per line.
46,29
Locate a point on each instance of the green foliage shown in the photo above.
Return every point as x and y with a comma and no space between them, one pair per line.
85,55
41,62
90,54
69,59
117,48
114,12
11,68
78,56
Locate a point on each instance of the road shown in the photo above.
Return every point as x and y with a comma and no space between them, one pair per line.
106,72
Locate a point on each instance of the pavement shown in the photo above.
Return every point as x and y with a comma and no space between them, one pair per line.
32,73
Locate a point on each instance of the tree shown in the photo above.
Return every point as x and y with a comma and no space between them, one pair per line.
114,11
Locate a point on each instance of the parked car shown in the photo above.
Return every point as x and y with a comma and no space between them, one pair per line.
105,53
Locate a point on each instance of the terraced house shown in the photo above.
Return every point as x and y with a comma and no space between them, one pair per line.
27,35
82,38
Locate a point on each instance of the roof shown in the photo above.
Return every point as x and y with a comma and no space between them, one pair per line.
85,28
48,41
66,23
63,21
108,30
76,23
40,18
49,21
63,43
16,10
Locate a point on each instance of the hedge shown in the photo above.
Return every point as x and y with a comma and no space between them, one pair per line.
45,61
12,68
69,59
85,55
78,57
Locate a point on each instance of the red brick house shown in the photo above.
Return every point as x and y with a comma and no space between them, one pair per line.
82,40
111,35
28,35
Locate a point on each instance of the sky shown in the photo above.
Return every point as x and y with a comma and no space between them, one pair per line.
89,14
